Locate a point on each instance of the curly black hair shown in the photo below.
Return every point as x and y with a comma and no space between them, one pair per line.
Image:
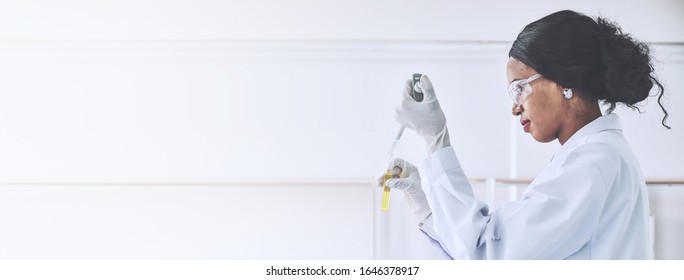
593,56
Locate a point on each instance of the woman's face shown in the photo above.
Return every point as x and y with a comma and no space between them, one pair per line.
543,110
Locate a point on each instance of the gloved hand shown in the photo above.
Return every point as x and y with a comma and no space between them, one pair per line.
409,183
425,117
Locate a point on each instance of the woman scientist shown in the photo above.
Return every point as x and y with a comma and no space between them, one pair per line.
590,202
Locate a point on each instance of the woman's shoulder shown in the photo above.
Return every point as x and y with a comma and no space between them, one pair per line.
607,151
607,145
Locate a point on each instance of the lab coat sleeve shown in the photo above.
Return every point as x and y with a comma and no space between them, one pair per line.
555,217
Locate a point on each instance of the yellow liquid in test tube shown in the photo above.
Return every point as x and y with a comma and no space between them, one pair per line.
389,174
386,191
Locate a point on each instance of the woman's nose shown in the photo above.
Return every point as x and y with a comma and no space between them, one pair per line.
516,110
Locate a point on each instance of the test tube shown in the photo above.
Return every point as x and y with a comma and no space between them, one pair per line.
384,206
385,192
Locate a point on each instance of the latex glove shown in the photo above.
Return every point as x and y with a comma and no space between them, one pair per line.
409,183
425,117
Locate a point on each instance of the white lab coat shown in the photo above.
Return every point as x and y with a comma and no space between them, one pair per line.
590,202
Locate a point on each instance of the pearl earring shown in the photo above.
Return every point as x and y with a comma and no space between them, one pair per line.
567,93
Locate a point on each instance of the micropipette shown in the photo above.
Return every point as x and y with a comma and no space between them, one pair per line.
417,95
390,153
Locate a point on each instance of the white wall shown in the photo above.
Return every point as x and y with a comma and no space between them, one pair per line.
165,129
488,20
185,222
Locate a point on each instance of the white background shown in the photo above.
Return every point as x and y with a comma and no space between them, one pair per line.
253,130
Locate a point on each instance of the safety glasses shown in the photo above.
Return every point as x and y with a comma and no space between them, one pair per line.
520,89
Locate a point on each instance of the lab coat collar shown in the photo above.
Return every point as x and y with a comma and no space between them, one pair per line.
602,123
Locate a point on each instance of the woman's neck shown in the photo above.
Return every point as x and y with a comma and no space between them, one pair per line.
579,120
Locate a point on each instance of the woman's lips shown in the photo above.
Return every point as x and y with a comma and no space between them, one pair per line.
526,125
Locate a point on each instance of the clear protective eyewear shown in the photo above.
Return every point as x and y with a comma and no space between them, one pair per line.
520,89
